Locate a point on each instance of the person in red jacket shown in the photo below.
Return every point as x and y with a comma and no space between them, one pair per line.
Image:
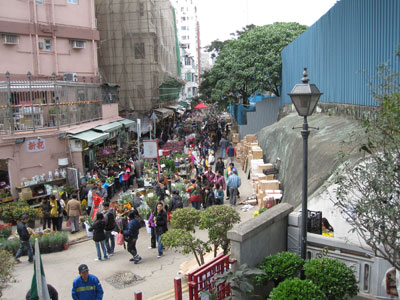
195,194
230,150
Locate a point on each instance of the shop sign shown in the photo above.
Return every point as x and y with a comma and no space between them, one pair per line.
36,145
150,149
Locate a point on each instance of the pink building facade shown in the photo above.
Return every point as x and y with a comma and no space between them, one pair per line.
46,36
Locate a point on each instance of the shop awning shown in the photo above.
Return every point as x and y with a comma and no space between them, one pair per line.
109,127
127,123
183,103
90,136
164,112
174,107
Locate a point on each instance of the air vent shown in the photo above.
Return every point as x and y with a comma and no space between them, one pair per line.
10,39
78,44
70,77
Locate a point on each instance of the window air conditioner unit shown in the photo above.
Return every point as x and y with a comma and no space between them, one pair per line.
70,77
76,44
10,39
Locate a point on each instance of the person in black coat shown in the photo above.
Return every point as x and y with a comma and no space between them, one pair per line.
219,166
24,237
160,219
175,202
99,236
210,198
131,234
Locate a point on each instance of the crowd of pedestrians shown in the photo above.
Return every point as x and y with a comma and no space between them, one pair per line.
209,182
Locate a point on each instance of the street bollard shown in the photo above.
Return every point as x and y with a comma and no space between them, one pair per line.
138,295
178,288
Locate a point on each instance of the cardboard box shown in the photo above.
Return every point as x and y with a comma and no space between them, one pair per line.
257,152
262,167
235,138
251,138
269,185
268,202
25,194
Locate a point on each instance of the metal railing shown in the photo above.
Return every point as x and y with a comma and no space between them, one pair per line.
33,105
202,278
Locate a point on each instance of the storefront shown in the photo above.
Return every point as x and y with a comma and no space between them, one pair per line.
84,143
100,142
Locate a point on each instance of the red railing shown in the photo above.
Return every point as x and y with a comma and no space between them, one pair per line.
202,278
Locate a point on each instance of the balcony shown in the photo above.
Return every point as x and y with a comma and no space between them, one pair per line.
37,105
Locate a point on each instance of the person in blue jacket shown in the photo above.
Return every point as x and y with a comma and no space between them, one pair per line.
86,286
131,234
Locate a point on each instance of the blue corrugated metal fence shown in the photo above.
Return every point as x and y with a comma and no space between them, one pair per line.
342,50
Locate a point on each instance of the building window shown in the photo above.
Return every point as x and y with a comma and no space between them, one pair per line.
47,45
39,1
188,61
183,37
188,76
139,51
72,1
141,9
183,18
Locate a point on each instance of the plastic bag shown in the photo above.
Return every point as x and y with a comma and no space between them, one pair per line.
120,239
69,223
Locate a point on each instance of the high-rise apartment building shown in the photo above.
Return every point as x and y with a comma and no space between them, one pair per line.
189,42
46,36
137,49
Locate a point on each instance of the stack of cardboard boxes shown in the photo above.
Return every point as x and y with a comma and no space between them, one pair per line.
266,187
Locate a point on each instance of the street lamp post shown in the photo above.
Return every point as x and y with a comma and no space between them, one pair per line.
305,97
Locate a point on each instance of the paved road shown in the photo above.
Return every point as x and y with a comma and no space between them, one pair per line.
62,267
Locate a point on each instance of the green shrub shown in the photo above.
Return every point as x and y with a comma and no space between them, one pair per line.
296,289
10,245
279,267
7,266
333,277
5,231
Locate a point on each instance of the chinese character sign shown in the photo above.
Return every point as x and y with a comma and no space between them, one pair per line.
35,145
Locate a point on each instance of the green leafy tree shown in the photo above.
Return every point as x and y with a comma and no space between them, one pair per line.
251,63
186,243
181,236
368,192
218,220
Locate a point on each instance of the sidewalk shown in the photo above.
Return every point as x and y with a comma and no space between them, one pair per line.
157,274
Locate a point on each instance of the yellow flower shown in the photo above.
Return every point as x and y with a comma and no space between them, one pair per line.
256,213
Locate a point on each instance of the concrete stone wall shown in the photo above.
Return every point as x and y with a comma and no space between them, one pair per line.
259,237
356,112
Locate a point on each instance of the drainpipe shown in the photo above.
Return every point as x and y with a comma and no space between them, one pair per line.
10,102
31,98
37,60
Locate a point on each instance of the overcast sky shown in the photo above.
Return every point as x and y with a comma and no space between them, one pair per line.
219,18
